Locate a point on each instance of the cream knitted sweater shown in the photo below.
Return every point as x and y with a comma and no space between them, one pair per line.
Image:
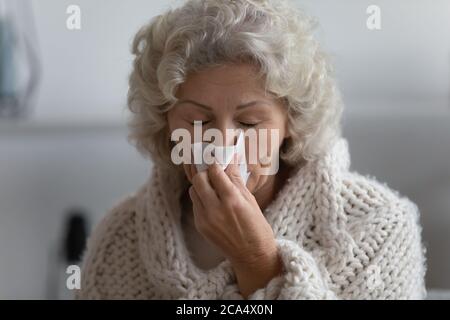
340,236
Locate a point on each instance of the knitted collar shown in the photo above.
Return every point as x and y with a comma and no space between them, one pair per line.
310,196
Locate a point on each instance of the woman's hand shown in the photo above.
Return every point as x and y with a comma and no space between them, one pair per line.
228,215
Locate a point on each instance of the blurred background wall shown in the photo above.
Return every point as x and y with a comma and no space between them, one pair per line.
71,151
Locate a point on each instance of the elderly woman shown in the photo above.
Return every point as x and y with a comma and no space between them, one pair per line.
311,230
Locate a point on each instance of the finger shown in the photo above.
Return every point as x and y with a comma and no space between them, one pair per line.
252,181
220,181
196,203
193,169
188,171
204,189
232,171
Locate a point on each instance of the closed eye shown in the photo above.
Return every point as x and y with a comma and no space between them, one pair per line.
203,122
247,124
244,124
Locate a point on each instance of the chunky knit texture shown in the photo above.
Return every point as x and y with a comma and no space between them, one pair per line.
340,236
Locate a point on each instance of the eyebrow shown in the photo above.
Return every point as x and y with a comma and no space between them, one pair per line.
241,106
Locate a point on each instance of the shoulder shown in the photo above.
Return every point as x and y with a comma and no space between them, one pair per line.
368,202
111,253
116,222
385,227
116,219
365,194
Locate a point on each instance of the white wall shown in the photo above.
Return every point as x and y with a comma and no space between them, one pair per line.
400,68
404,68
85,71
45,171
46,167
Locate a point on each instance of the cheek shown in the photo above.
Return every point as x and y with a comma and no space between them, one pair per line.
171,119
175,121
265,147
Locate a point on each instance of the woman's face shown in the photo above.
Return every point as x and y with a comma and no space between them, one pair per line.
230,97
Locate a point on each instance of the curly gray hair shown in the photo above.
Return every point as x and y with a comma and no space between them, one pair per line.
273,34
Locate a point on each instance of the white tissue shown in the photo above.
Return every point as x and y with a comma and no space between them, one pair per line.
223,155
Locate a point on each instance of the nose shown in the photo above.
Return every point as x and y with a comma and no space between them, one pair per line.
229,132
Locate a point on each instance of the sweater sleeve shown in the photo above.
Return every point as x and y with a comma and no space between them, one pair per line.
390,264
106,272
300,279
